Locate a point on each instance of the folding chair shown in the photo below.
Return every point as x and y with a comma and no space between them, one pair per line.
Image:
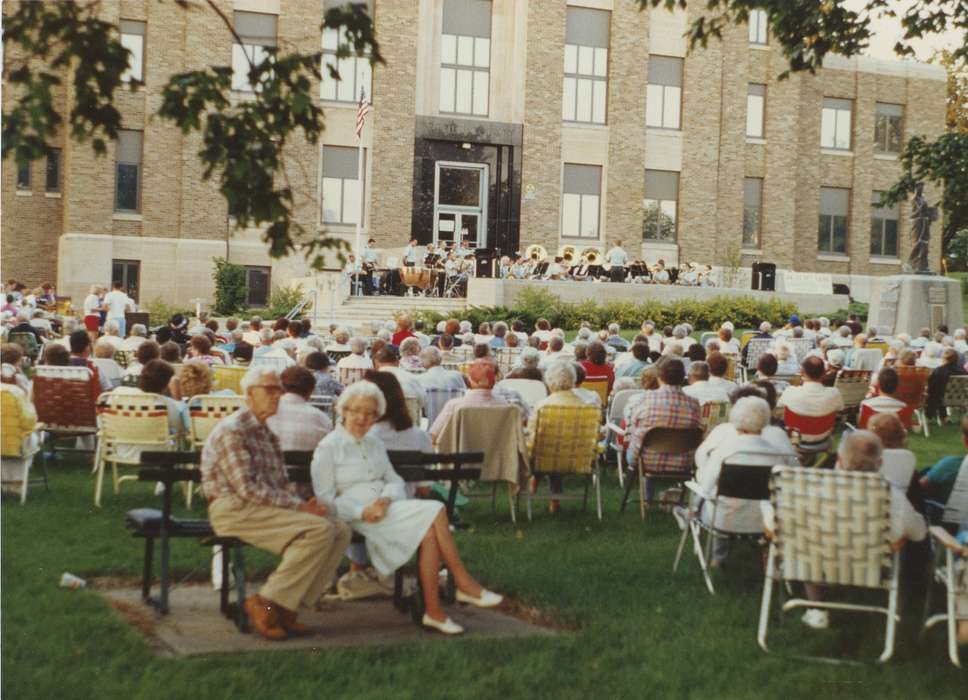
531,390
277,363
121,357
801,346
881,347
613,417
852,385
205,411
832,529
138,421
911,387
866,358
746,482
956,394
706,337
65,401
953,575
714,413
600,387
436,399
18,449
565,441
228,377
755,349
797,425
506,358
348,375
664,441
413,408
325,403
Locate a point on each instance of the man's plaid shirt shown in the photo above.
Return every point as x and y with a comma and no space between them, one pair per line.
242,458
665,407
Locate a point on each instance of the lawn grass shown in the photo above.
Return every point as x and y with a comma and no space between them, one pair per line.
632,627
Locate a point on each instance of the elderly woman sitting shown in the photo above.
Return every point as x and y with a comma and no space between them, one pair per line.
747,439
352,474
109,371
786,360
410,354
527,367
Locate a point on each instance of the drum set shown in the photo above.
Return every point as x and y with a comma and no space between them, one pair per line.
438,277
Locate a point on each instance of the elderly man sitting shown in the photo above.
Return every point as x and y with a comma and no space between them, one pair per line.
528,367
139,334
812,399
437,377
861,451
701,389
387,360
560,378
745,445
250,497
298,424
481,375
357,358
666,407
556,351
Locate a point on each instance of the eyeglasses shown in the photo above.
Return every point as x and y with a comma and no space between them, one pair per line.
362,412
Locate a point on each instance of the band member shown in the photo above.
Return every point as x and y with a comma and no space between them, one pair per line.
368,260
462,250
504,267
659,274
555,270
430,255
618,259
706,277
519,268
688,275
352,271
410,254
580,272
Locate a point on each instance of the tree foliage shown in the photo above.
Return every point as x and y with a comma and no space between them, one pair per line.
230,288
243,140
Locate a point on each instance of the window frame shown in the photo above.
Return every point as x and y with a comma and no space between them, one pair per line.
249,269
883,222
749,96
24,177
836,121
594,83
830,229
581,195
758,238
236,82
58,155
471,68
646,200
342,186
663,88
878,116
355,64
125,277
140,175
125,77
758,24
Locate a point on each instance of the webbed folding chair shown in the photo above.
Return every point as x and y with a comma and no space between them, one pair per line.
664,441
348,375
435,400
65,401
205,411
565,441
228,377
714,413
531,390
613,417
832,529
18,449
852,385
953,575
600,386
956,394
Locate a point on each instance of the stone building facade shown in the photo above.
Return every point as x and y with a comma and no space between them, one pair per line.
512,122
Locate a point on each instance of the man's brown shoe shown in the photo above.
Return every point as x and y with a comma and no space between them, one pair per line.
287,619
264,616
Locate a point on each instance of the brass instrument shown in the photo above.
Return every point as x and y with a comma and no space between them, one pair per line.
591,256
568,255
536,253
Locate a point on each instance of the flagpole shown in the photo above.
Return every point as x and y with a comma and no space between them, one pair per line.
361,125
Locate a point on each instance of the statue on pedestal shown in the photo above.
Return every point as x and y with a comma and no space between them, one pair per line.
921,217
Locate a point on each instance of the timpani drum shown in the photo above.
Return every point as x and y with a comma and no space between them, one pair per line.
420,277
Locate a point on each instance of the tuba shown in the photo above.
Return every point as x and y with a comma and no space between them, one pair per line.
535,253
591,256
568,255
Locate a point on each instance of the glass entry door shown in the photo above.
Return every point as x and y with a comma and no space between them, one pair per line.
460,204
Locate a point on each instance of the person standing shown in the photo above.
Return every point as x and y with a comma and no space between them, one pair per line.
250,497
92,310
410,254
369,259
617,258
116,304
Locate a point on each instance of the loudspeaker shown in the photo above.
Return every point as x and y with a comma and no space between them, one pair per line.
755,277
485,262
768,277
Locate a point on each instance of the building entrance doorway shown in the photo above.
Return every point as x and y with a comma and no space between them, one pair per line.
460,204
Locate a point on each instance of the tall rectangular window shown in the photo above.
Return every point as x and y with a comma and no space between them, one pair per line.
133,39
23,176
585,88
832,230
888,128
883,227
752,211
341,185
660,206
465,58
127,181
355,73
258,34
755,110
758,25
128,273
663,98
257,280
580,200
53,170
835,122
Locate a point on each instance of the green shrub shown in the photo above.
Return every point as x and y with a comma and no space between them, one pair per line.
230,289
159,311
283,300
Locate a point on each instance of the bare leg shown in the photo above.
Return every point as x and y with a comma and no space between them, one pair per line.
428,565
448,552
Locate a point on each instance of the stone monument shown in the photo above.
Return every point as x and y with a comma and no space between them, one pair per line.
919,298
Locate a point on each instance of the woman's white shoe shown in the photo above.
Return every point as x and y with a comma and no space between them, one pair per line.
448,626
487,599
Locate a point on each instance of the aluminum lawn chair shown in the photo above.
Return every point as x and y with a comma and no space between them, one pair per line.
18,450
436,399
614,416
348,375
205,411
852,385
832,529
565,441
665,441
953,575
531,390
228,377
956,394
714,413
65,401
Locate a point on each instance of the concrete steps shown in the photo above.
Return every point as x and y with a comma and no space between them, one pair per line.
357,310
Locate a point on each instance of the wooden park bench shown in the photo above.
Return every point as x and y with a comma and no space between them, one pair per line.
170,468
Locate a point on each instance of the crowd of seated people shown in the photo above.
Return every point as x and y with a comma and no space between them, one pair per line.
675,375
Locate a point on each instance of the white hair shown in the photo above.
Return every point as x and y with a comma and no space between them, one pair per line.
933,349
255,375
844,330
614,328
112,328
824,322
441,326
782,350
648,326
341,335
430,356
960,334
750,414
530,357
680,331
584,333
362,390
905,338
410,346
861,451
766,327
139,330
357,345
560,376
728,325
836,357
266,334
384,334
466,327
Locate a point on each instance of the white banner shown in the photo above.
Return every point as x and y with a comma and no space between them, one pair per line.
807,282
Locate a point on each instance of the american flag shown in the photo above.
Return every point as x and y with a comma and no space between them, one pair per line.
361,113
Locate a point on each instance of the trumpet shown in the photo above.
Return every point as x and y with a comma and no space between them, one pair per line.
568,254
536,253
591,256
